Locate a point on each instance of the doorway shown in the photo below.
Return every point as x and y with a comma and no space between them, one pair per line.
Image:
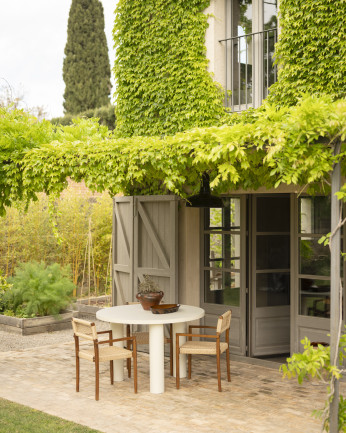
269,275
246,268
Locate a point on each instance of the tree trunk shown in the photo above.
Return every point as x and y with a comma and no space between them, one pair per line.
335,284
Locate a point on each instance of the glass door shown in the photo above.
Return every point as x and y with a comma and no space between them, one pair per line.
314,258
312,276
270,275
224,267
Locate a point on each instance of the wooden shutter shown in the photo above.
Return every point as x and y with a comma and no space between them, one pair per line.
145,242
122,250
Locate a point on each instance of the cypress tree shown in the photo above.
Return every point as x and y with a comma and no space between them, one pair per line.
86,68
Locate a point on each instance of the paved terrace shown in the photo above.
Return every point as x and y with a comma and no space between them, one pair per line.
257,400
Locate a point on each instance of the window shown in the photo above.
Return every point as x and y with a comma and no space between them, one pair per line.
249,47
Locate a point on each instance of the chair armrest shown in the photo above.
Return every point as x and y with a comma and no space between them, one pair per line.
113,340
201,327
196,335
105,332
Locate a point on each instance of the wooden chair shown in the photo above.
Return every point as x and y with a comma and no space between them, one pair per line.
193,347
142,337
87,330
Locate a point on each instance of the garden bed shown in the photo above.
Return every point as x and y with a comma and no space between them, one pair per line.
36,325
88,307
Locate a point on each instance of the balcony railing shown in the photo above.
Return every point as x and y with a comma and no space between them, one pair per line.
250,69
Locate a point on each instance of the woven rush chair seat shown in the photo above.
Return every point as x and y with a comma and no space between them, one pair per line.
202,348
107,353
217,347
101,351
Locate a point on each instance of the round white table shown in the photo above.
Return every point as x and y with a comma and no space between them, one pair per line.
135,315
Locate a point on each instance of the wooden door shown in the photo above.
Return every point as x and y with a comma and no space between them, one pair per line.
122,250
145,243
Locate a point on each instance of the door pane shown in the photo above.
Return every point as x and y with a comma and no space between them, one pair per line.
314,215
314,297
222,287
241,52
314,257
273,252
269,40
273,214
270,14
272,289
223,219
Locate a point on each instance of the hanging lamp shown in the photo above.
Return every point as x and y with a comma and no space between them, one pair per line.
204,197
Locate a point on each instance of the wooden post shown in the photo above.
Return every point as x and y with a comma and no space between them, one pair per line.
335,304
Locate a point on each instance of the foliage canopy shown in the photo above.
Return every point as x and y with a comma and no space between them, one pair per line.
292,145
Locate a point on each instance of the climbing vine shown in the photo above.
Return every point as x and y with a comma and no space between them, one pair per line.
311,50
163,86
290,145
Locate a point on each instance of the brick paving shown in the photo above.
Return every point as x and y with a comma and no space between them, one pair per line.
257,400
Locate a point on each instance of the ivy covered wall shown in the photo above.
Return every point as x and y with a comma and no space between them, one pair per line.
163,85
311,51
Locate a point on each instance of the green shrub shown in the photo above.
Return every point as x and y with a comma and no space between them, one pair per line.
105,116
40,290
5,287
314,362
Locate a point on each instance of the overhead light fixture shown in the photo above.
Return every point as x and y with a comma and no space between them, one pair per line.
204,197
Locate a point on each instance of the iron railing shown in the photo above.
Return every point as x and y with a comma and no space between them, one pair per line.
250,69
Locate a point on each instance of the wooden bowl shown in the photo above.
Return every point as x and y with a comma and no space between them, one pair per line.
164,308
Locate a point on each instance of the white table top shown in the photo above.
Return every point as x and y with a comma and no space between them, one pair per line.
135,315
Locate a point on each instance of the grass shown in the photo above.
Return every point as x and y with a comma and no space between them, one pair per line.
16,418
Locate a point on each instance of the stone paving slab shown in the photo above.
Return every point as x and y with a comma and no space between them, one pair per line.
257,400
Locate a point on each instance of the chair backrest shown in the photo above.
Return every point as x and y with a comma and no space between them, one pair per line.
84,329
224,322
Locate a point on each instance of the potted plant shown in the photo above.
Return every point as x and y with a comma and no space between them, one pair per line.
149,293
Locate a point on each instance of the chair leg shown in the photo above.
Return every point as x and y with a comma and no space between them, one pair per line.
97,380
228,366
128,347
134,354
177,369
77,373
189,359
111,371
218,370
128,366
171,349
76,345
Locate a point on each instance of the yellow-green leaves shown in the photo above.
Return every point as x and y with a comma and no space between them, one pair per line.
268,147
311,50
163,85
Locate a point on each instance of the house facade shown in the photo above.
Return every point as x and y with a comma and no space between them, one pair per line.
260,254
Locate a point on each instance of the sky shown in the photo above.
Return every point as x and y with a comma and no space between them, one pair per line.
33,36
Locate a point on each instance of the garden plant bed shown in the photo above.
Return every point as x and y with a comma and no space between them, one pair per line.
36,325
89,306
